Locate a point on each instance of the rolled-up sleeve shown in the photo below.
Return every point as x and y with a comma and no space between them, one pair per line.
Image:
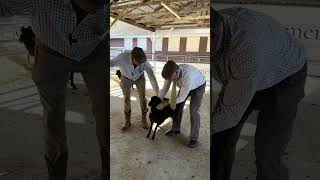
152,78
10,8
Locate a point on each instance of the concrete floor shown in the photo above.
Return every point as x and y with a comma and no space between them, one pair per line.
133,156
21,133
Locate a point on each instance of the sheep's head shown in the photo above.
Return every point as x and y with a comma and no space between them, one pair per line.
155,100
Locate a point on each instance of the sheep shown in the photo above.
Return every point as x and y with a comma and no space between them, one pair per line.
27,37
156,115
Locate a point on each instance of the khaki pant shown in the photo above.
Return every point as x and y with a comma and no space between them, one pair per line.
195,104
126,85
50,74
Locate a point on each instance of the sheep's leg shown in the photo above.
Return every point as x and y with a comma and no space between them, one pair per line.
150,129
154,133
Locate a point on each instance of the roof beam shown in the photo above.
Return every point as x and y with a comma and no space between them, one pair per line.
119,16
170,9
174,19
146,14
126,3
192,8
180,24
184,26
140,3
134,23
313,3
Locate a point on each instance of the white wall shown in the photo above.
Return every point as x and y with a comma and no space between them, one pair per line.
128,43
208,44
142,43
158,45
173,44
193,44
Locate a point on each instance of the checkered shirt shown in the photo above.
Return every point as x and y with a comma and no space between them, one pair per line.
55,22
257,53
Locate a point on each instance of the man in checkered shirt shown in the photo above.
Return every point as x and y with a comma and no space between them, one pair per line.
260,67
69,37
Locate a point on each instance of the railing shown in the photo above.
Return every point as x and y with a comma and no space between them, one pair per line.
180,58
165,57
200,62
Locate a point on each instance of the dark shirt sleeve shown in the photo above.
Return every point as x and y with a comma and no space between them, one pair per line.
9,8
236,95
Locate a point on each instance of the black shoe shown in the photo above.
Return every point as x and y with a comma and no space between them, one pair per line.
172,132
192,144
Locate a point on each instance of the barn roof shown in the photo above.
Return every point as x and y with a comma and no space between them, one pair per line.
162,14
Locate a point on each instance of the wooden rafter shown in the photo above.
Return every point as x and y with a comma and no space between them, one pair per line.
134,23
180,24
118,17
185,7
173,19
138,3
139,15
151,15
193,8
170,9
184,25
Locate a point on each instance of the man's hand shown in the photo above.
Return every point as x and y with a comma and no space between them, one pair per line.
162,105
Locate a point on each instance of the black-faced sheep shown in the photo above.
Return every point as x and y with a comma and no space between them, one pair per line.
158,116
27,37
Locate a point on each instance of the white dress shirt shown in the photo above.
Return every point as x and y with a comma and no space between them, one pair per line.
124,62
190,78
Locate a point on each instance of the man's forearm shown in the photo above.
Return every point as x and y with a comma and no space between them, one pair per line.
153,81
163,92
